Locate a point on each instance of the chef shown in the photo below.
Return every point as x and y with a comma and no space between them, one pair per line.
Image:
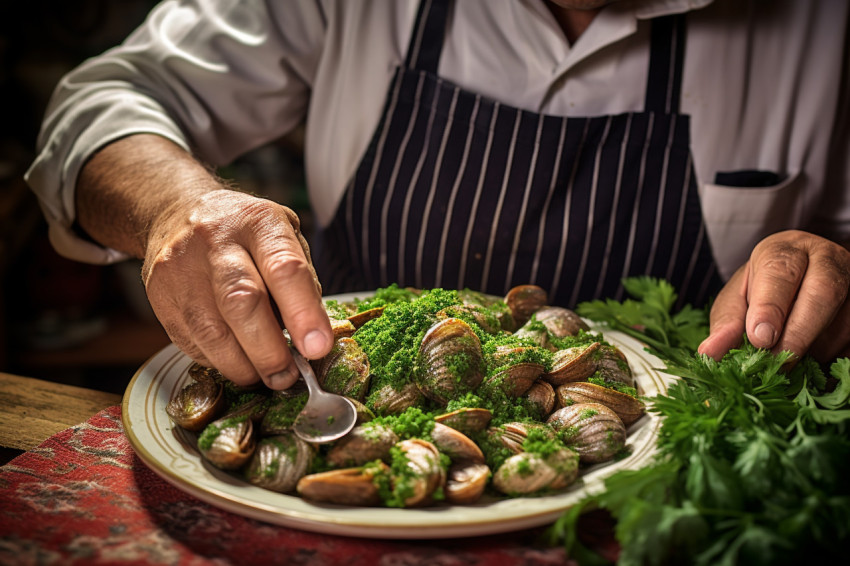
474,143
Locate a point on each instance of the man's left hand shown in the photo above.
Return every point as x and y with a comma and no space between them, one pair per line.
793,294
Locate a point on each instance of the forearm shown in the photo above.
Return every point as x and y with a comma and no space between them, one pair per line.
129,184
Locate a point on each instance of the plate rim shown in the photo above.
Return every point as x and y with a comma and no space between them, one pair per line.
345,520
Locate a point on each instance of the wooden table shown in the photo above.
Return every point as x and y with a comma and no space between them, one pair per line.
32,410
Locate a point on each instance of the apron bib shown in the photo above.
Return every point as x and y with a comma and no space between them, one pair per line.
458,190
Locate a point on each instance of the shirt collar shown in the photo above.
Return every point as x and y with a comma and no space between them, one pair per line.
616,21
647,9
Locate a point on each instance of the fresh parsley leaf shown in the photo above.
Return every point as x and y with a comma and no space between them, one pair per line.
649,318
753,460
840,370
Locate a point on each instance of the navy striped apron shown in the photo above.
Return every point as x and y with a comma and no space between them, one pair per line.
458,190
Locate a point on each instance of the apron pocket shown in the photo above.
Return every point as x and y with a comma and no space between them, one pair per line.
748,178
737,218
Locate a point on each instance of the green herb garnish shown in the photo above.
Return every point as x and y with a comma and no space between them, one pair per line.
392,340
753,462
413,422
649,318
212,431
615,385
386,296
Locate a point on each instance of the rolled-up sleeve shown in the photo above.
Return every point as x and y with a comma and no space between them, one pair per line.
217,77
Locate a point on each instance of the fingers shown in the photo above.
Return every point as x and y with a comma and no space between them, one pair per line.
211,281
834,341
727,320
185,302
819,314
255,343
286,269
792,295
776,274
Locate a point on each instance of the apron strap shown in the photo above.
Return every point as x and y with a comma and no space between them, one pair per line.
426,42
666,59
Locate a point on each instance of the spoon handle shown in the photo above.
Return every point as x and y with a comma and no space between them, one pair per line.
306,372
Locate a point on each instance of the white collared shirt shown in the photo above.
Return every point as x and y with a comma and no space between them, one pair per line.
762,84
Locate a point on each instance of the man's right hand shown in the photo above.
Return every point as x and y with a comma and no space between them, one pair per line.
215,259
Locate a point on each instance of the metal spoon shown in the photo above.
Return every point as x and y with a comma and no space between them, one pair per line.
326,416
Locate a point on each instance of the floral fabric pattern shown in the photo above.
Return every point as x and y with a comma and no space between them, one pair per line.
84,497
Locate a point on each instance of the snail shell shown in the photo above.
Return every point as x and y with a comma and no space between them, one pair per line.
612,366
468,420
455,444
283,411
494,304
202,373
487,320
449,362
514,381
515,374
363,444
560,322
512,435
525,300
228,443
573,364
542,397
467,476
279,462
591,429
197,404
350,486
345,370
342,328
391,401
465,482
536,334
628,408
361,318
254,406
364,413
526,473
426,474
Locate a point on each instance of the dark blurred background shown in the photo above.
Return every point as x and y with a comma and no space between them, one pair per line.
61,320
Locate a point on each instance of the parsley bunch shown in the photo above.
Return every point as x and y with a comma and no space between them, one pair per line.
753,464
648,317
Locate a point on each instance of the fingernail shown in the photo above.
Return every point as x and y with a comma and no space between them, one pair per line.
766,334
282,379
314,344
705,348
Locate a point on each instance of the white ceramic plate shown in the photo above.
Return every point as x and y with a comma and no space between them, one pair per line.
172,453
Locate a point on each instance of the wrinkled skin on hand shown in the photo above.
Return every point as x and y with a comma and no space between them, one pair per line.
213,267
792,294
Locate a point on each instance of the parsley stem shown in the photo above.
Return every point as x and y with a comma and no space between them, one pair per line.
755,401
772,441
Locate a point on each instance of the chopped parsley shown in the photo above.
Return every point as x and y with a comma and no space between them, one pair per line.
392,340
412,423
615,385
212,431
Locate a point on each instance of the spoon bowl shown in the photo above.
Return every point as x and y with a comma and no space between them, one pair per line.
326,416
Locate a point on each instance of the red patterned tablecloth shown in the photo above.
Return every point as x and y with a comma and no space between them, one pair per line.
83,497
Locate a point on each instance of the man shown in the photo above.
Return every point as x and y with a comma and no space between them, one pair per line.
475,143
